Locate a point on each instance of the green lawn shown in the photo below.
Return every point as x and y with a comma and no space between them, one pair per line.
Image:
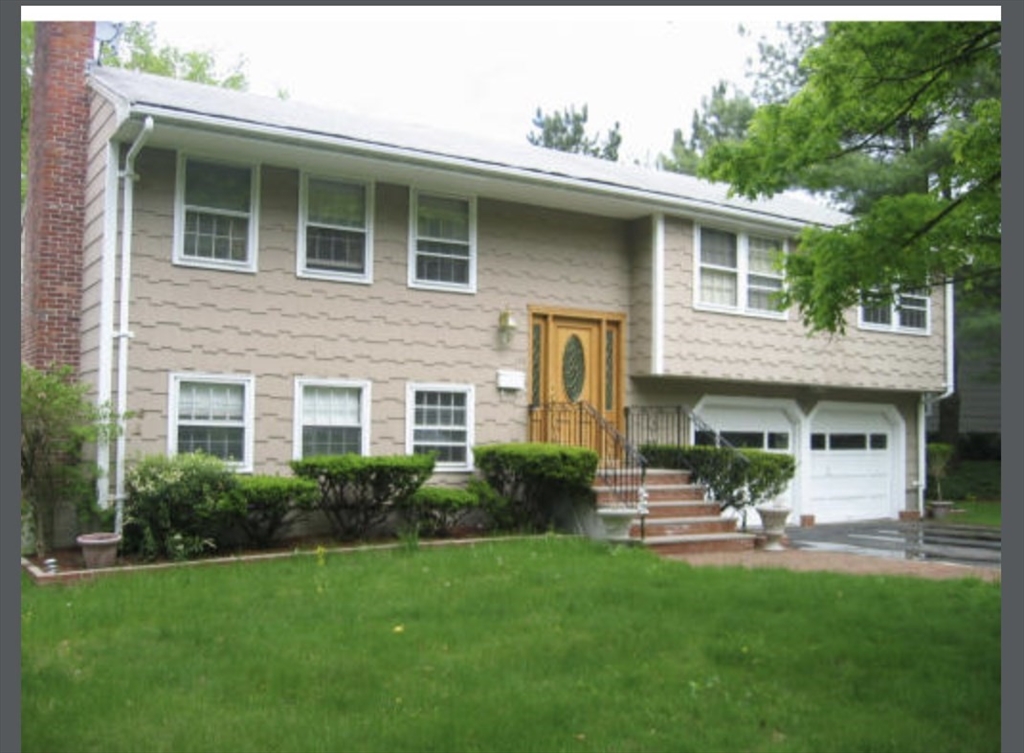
975,513
549,644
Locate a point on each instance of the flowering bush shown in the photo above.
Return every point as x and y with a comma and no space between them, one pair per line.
172,509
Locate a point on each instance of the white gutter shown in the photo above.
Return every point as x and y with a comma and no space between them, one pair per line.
124,334
705,207
108,276
658,296
950,388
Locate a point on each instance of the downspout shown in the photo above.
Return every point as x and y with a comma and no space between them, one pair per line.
124,334
922,438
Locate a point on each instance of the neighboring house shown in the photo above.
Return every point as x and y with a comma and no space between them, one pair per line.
262,279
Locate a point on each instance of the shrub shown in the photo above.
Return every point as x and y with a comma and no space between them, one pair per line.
357,493
731,481
260,505
56,420
436,510
172,509
530,478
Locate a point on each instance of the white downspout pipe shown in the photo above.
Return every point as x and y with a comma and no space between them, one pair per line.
123,333
922,463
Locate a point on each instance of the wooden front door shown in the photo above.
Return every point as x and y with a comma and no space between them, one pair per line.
576,359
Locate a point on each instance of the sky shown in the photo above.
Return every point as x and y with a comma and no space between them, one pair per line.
486,70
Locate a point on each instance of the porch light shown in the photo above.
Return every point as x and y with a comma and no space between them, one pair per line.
506,325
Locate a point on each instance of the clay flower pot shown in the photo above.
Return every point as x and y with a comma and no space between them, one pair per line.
99,549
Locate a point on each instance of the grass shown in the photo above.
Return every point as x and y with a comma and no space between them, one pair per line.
549,644
976,513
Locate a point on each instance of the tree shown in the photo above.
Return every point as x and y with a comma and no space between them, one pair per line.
900,123
135,49
721,118
566,131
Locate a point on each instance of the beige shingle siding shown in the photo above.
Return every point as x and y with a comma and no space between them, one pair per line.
101,127
640,326
749,348
277,326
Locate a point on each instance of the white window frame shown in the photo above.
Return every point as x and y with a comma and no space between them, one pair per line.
410,419
252,244
248,383
416,282
894,325
301,269
364,409
742,272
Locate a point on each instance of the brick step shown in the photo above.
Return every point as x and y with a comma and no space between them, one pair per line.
674,492
658,476
682,508
700,543
684,526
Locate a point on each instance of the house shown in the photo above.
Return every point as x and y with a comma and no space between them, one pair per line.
262,279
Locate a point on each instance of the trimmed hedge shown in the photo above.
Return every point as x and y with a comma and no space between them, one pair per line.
358,493
530,478
732,482
437,510
260,505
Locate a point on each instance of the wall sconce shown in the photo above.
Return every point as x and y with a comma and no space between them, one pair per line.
506,325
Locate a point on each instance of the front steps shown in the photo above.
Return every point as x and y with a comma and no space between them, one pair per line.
679,519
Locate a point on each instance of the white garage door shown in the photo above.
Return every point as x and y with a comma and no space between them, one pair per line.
853,455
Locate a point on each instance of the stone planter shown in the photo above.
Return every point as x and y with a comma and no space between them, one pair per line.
617,521
773,520
939,509
99,549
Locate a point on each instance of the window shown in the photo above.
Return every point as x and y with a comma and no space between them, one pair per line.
212,414
757,440
909,312
332,417
336,230
736,272
844,441
442,247
215,215
440,419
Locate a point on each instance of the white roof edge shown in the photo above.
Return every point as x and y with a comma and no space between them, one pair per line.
196,105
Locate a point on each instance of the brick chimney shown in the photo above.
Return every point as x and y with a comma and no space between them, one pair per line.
51,300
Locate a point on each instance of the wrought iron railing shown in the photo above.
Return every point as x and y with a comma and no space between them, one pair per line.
673,425
621,467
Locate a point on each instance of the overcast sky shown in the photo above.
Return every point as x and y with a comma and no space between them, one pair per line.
486,70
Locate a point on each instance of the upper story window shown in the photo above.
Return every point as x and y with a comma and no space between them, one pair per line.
332,417
336,230
215,214
909,312
442,245
213,414
736,272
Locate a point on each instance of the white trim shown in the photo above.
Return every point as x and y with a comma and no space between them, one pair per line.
366,277
658,296
470,166
108,287
742,272
251,264
413,281
365,397
248,382
411,388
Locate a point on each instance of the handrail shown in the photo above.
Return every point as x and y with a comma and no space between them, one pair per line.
622,467
671,425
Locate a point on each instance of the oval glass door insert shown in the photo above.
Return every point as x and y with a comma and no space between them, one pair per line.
574,368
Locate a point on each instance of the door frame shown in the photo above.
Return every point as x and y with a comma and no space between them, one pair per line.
542,355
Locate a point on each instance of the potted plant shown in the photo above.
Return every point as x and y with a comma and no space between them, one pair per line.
938,455
768,473
618,518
